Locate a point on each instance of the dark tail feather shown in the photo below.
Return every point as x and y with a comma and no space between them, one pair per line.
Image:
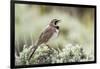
33,51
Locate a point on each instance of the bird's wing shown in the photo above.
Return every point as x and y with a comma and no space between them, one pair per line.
45,35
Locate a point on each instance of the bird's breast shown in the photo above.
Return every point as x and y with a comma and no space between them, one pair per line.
55,34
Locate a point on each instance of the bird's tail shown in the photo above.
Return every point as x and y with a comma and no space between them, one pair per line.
33,51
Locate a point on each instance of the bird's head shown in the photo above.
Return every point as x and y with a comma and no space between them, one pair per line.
54,22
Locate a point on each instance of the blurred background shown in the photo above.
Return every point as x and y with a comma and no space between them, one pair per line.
76,26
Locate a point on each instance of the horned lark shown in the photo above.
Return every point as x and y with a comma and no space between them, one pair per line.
51,31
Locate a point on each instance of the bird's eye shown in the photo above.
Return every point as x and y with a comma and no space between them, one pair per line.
55,22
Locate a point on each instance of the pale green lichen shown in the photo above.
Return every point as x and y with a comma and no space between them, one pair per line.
43,55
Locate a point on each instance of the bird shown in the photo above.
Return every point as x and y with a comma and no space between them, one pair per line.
51,31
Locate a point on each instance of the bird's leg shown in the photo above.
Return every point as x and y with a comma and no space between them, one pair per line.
50,49
48,46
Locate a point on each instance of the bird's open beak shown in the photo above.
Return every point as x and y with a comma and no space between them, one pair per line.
58,21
